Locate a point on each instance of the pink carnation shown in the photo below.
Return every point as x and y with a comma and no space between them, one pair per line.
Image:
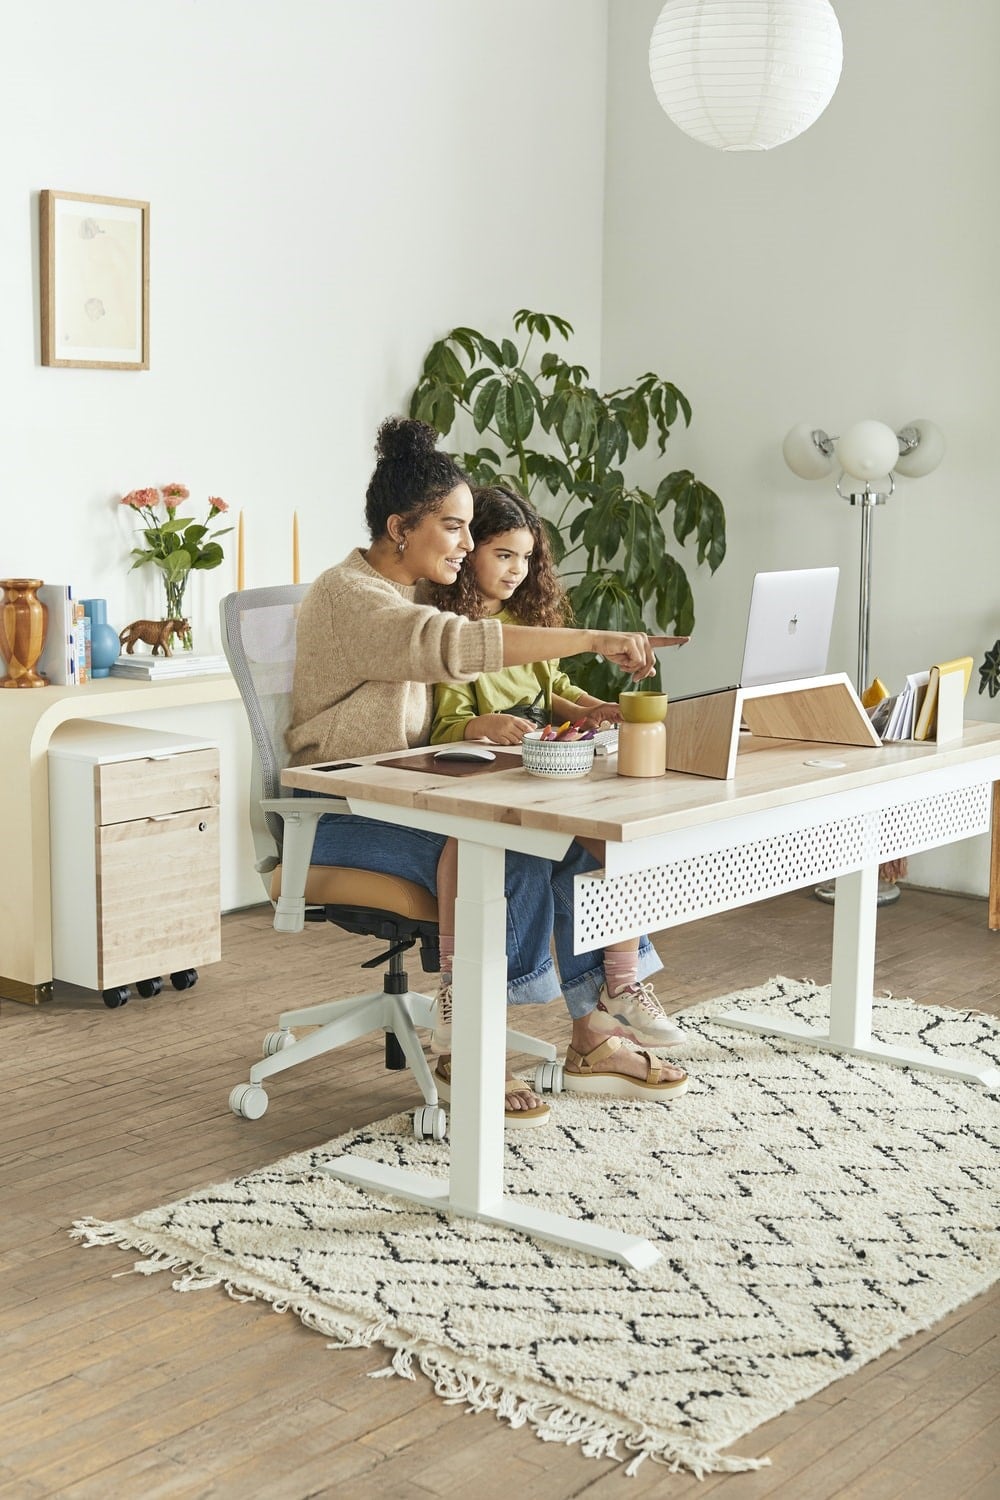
141,499
171,502
175,493
218,507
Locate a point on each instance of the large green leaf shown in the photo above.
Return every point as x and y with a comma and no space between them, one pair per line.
485,406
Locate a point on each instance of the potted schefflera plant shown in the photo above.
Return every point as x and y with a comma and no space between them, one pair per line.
547,432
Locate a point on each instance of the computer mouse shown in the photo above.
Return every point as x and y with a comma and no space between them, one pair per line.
464,752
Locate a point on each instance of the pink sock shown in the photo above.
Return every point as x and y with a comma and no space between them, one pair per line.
621,970
446,946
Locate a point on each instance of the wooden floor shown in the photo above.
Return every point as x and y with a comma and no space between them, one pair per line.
113,1386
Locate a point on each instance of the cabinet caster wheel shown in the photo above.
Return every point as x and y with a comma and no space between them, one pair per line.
549,1078
248,1100
147,988
184,979
430,1123
277,1041
117,996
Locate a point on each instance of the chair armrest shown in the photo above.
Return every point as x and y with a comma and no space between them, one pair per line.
299,816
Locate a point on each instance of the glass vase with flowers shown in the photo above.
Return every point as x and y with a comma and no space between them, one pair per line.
175,544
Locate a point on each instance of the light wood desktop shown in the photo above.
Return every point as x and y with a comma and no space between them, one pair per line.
28,719
678,847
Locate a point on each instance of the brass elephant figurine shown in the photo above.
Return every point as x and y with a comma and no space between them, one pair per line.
155,633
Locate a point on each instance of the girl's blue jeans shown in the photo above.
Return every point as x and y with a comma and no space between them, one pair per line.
539,896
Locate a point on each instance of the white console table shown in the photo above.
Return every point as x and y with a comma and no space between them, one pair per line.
28,719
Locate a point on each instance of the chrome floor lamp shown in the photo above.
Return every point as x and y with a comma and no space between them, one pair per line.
870,455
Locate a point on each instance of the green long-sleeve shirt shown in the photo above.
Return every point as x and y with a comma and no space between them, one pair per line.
455,703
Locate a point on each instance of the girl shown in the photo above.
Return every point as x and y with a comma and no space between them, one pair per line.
510,576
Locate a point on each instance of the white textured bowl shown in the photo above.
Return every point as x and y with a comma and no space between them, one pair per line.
562,759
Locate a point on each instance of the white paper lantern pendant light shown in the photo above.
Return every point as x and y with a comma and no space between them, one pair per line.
745,75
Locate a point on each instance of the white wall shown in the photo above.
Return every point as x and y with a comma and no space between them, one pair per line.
333,184
850,273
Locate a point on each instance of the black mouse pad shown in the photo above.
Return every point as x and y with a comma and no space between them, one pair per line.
505,761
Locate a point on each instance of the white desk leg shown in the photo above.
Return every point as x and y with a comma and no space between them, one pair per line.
479,1032
852,976
851,985
479,1066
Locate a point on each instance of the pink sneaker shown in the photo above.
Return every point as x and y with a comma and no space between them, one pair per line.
637,1014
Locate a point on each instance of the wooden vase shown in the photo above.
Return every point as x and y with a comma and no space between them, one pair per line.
23,620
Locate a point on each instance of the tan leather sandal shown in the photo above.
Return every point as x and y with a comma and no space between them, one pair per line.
525,1118
584,1075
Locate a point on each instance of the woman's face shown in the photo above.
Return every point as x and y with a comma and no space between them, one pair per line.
438,545
501,564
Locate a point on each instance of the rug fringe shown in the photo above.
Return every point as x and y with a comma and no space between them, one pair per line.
555,1423
551,1421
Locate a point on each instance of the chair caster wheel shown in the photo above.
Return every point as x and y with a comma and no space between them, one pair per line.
430,1123
184,979
117,996
147,988
248,1100
277,1041
549,1078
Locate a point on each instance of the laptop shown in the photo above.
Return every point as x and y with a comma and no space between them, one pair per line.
789,625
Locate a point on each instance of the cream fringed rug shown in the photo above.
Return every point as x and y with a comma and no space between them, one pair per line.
812,1210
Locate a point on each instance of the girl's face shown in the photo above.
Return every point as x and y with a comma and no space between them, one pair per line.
501,565
437,547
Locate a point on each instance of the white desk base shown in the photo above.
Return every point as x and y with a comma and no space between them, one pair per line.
851,986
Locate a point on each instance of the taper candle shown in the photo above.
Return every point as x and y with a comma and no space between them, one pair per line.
295,546
240,555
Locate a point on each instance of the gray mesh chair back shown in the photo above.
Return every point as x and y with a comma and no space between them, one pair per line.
258,638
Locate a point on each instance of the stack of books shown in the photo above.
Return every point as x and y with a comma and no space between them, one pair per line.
150,668
65,658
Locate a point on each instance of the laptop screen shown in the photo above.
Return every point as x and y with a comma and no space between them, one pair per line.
789,625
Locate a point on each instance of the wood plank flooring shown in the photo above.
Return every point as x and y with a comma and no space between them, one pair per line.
112,1386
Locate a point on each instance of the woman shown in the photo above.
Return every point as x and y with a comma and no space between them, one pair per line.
367,656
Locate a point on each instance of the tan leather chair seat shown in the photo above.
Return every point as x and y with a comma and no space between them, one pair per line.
332,885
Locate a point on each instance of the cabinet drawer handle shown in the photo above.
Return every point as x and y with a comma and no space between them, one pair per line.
161,817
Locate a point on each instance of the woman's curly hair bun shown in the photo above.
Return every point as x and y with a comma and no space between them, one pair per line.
401,440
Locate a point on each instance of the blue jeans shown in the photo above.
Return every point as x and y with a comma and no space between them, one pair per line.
539,896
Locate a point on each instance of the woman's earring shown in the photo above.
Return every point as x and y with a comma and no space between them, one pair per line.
401,547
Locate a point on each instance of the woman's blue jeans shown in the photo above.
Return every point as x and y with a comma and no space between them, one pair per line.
539,896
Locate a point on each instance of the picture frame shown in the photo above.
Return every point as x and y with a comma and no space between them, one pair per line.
94,263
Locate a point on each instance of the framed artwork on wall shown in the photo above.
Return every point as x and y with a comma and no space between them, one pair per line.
94,281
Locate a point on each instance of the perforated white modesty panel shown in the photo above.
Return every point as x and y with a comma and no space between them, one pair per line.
620,906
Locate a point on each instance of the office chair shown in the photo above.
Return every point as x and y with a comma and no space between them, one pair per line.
258,637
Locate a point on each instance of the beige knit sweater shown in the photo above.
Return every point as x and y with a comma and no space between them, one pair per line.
366,656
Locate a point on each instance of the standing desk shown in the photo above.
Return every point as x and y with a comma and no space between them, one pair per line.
678,848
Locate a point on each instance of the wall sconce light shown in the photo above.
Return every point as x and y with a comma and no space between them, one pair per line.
745,75
870,455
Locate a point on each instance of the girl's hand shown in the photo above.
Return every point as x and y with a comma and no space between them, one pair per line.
600,715
500,729
629,650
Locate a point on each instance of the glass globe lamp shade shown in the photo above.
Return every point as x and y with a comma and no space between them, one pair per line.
803,454
868,450
918,461
745,75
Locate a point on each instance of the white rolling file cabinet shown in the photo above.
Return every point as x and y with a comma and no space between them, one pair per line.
134,843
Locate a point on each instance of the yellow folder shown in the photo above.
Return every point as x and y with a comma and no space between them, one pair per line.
927,722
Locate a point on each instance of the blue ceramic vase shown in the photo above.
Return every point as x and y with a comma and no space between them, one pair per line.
103,637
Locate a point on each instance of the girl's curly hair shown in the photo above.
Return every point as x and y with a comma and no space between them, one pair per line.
411,477
540,599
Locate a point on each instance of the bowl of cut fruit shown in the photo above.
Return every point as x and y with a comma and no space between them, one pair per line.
564,751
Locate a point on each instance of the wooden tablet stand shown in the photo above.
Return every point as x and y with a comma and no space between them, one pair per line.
703,732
